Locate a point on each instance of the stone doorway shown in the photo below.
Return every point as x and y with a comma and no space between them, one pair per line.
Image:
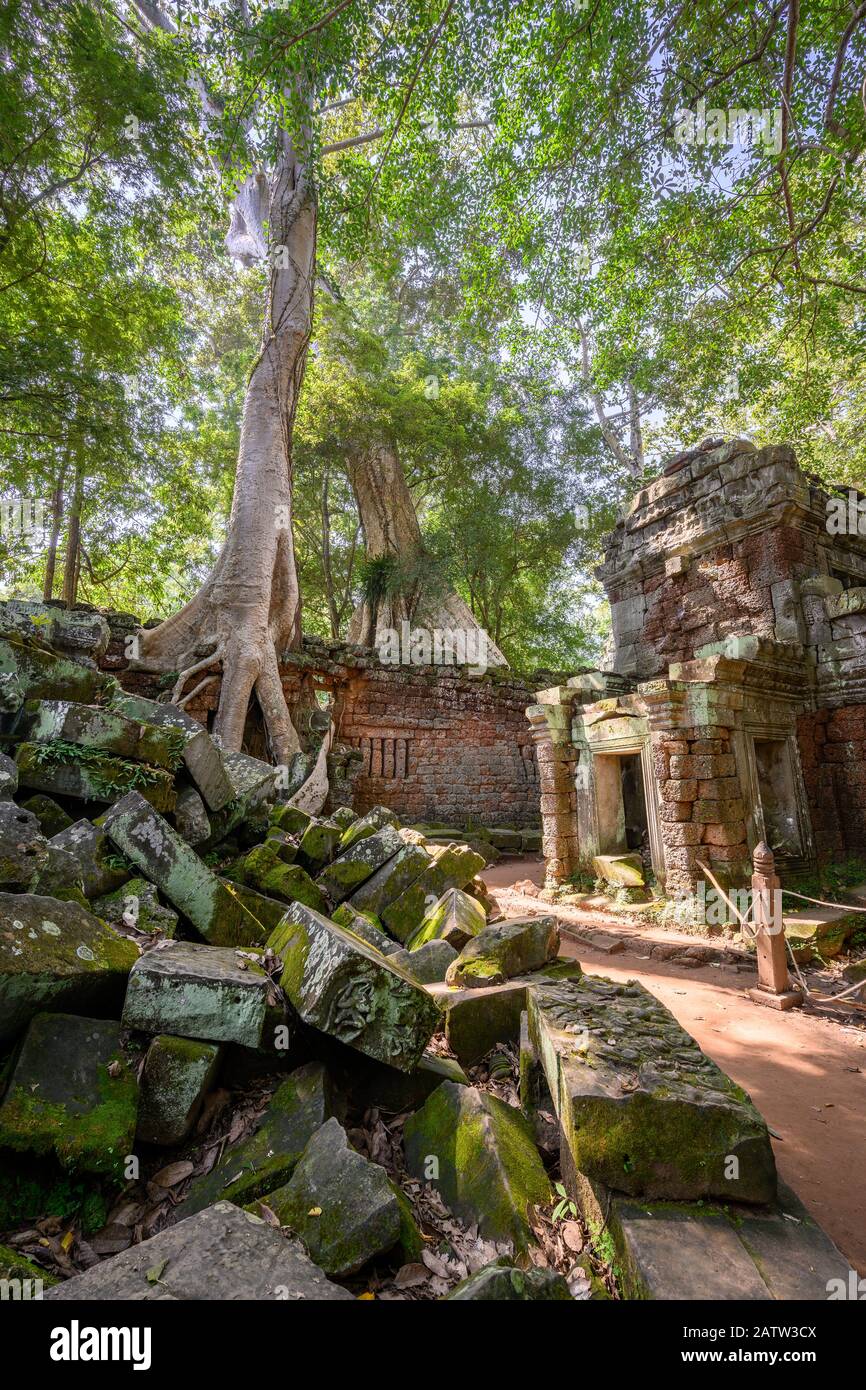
621,805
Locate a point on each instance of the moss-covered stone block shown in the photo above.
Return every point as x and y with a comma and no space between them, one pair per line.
266,1159
456,917
98,728
318,844
57,956
51,817
24,850
31,1278
479,1154
41,675
454,868
205,992
201,757
642,1108
290,818
345,988
342,1206
151,844
137,905
72,1094
505,949
292,884
375,819
101,867
359,862
91,776
394,877
365,925
177,1075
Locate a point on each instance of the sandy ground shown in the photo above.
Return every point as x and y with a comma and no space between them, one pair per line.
806,1074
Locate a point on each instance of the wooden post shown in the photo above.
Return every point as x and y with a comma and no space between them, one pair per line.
774,985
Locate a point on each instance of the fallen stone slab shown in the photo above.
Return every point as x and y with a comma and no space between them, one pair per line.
372,1083
206,992
428,964
101,868
342,1206
202,758
100,729
221,1254
642,1108
365,925
290,883
394,877
455,917
150,843
56,956
8,778
318,844
268,911
60,877
176,1077
51,817
343,987
71,1094
23,848
37,674
266,1159
290,818
480,1156
252,786
375,819
48,767
453,868
505,949
359,862
76,632
191,819
477,1020
502,1283
676,1251
621,870
136,905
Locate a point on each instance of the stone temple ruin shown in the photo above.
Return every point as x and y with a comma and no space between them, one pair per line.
255,1049
735,707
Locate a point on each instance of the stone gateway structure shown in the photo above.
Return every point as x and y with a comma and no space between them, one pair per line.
735,711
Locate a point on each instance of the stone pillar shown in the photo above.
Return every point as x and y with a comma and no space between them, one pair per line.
774,986
556,757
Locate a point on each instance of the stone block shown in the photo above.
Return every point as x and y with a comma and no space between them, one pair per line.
194,991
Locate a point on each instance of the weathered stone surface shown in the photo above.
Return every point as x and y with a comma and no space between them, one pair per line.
489,1170
266,1159
54,955
476,1020
642,1108
455,917
364,924
202,758
504,950
71,1094
341,1205
374,820
79,633
290,818
8,778
190,816
136,905
105,730
102,869
268,911
252,786
291,884
220,1254
318,844
428,963
169,862
394,877
453,868
39,674
47,767
368,1082
502,1283
342,986
51,817
359,862
620,869
61,876
177,1074
207,992
23,848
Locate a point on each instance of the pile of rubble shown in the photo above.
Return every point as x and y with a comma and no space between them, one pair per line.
249,1052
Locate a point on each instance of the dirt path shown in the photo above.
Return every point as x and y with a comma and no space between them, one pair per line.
806,1074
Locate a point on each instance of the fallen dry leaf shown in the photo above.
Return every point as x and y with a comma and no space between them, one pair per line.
173,1173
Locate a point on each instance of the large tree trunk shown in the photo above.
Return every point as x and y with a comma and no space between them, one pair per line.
54,541
391,531
72,562
248,611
